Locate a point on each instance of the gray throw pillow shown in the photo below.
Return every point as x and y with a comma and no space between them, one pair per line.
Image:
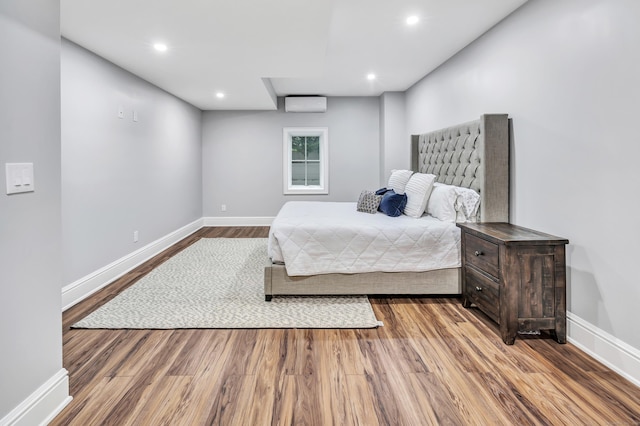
368,202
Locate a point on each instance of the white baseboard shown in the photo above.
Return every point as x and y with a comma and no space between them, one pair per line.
238,221
609,350
86,286
42,405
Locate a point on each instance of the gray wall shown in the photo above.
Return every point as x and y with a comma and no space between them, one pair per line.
121,176
30,262
568,72
395,150
242,156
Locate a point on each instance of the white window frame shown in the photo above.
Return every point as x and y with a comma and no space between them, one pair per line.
287,134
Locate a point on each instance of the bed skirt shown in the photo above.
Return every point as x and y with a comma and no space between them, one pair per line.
440,281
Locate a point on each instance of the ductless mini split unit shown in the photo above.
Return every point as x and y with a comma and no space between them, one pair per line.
305,104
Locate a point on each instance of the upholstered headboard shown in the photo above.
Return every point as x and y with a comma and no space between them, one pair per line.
474,155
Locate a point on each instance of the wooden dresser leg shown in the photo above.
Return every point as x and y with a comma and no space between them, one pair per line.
560,334
465,302
508,331
508,338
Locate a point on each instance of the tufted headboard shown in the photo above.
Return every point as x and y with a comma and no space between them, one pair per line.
473,155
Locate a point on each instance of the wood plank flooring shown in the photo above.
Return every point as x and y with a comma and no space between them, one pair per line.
432,363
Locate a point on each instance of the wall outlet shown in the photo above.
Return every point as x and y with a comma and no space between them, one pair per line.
120,111
223,208
135,236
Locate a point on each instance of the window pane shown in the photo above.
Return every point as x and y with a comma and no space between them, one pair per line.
313,147
305,168
297,148
313,173
298,174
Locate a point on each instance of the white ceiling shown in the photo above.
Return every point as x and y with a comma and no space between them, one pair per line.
253,50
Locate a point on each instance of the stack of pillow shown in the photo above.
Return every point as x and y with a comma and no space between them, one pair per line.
414,194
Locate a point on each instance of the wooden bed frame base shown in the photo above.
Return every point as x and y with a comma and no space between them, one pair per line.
441,281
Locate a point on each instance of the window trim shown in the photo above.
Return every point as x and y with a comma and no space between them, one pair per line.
287,134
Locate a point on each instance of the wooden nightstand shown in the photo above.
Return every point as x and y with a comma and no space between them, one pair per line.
516,276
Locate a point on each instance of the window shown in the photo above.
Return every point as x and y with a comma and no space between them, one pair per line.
305,160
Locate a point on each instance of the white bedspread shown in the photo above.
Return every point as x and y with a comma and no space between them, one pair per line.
327,237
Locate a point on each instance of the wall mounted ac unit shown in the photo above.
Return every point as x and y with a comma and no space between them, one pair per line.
305,104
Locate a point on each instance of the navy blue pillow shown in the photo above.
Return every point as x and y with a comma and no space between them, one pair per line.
392,204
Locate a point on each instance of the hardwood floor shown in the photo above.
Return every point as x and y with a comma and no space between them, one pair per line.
433,362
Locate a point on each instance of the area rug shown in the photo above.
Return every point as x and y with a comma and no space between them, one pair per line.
219,283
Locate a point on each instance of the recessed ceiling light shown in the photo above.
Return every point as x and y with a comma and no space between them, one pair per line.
160,47
219,95
412,20
371,76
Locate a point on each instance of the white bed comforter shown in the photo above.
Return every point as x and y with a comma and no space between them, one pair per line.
312,237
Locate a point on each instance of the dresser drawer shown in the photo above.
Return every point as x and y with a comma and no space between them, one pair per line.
482,291
482,254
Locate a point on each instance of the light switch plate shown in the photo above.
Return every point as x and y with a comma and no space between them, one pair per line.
19,177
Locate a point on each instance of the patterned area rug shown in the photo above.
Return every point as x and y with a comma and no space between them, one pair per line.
219,283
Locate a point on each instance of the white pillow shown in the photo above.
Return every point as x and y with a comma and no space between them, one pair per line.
442,203
467,204
398,180
453,203
418,190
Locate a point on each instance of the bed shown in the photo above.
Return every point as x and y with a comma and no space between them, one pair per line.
471,155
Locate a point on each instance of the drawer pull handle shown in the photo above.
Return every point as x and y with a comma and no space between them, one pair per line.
478,288
478,253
